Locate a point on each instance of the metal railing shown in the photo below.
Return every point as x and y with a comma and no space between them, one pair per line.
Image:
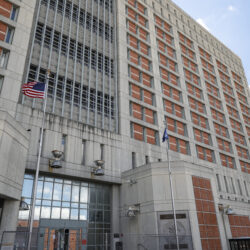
240,244
14,240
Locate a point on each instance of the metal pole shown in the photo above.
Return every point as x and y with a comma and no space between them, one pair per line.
38,165
106,241
172,196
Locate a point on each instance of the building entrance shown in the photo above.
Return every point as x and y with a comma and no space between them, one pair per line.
62,235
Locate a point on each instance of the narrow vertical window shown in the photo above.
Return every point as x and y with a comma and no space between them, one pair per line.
102,152
226,184
245,184
233,187
146,159
133,160
1,83
218,182
64,141
239,186
83,152
14,13
43,142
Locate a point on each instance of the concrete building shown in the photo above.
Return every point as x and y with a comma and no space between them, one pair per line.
118,71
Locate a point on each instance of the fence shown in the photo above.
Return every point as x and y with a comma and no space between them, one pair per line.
55,239
75,240
13,240
155,242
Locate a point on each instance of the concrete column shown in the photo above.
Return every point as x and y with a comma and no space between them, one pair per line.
115,215
9,221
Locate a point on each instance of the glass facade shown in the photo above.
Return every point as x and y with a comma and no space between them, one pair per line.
64,199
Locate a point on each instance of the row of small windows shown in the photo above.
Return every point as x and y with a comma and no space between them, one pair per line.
107,3
98,26
74,92
61,3
230,185
74,50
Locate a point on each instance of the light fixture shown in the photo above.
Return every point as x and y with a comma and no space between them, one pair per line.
23,205
229,211
98,170
132,211
56,161
131,181
226,209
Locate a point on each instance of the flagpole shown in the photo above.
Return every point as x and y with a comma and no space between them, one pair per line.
38,164
172,193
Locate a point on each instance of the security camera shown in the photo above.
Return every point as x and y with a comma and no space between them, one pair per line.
130,213
131,181
132,210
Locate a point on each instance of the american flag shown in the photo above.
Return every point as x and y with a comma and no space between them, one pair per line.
34,89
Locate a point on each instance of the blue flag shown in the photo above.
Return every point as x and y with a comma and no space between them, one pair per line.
165,135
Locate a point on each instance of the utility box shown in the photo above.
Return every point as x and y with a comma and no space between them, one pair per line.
117,244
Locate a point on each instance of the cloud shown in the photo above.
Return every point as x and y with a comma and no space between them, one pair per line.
231,8
202,23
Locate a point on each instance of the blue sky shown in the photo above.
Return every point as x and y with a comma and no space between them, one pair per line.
227,20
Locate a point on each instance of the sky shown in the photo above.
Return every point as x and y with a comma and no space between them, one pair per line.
227,20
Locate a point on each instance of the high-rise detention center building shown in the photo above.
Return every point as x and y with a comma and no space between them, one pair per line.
120,71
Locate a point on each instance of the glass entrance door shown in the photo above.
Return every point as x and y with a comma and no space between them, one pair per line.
61,235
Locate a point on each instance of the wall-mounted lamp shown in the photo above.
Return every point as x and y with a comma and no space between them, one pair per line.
98,170
56,161
133,211
131,181
226,209
23,205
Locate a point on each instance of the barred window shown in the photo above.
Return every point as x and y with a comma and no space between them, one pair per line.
75,13
45,2
39,33
99,102
95,23
93,59
48,37
72,48
58,84
92,100
68,89
32,73
84,97
108,4
51,84
60,6
68,9
106,65
64,44
56,40
42,75
59,90
82,17
89,18
79,52
88,21
100,28
86,55
52,4
75,50
77,93
100,62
